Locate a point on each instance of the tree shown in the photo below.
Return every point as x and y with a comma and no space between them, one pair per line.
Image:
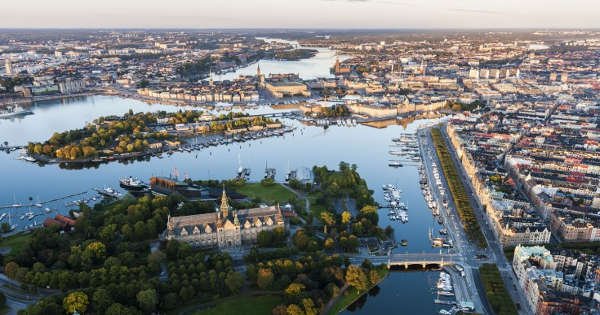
356,278
94,252
264,278
374,277
346,217
234,281
280,309
10,269
147,300
329,243
264,238
309,307
327,219
4,227
294,309
155,259
117,309
75,301
170,301
368,209
294,289
101,300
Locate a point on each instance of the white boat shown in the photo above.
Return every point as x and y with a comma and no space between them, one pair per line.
2,216
13,111
109,192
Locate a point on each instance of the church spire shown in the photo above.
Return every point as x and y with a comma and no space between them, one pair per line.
224,204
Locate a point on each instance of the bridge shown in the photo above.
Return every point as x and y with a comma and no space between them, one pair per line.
422,260
287,114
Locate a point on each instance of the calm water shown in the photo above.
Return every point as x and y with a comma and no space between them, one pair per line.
404,293
308,69
307,146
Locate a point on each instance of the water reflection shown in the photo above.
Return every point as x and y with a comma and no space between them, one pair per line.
308,69
364,146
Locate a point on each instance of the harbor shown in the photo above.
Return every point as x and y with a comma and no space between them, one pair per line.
290,155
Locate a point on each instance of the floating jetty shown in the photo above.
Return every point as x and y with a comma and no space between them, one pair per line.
37,204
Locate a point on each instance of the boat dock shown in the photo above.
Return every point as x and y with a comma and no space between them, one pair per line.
11,148
41,203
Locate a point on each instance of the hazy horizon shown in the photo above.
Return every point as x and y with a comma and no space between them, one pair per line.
308,14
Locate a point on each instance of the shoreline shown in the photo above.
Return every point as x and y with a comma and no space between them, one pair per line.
209,141
152,100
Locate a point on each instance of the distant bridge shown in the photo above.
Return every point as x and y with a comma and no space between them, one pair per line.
279,114
423,260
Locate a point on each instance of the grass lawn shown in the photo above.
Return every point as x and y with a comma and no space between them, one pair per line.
495,291
270,194
245,305
15,242
352,295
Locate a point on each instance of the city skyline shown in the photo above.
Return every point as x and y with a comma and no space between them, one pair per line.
334,14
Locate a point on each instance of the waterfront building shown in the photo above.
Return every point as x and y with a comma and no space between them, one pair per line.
514,221
282,89
338,69
8,66
261,77
226,227
557,283
70,86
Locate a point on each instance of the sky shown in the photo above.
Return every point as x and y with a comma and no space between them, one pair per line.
355,14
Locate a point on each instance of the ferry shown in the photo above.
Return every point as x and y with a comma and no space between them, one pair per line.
13,111
131,183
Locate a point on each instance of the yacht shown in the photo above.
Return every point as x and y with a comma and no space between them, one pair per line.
395,163
131,183
108,192
13,111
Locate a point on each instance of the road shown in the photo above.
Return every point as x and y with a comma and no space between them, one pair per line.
16,298
495,250
462,245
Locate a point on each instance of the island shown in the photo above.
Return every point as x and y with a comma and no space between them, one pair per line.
294,54
130,256
144,134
